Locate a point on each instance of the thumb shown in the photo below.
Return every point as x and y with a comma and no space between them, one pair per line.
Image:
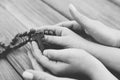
59,55
73,25
90,25
37,75
80,18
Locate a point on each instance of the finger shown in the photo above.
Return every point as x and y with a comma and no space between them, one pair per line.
80,18
73,25
67,24
53,66
38,54
59,55
37,75
35,64
86,22
27,75
36,50
35,46
43,60
53,39
52,29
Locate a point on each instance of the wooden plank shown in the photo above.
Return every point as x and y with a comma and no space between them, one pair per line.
32,12
102,10
19,16
9,27
7,72
19,59
24,14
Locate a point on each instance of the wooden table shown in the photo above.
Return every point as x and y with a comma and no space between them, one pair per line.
20,15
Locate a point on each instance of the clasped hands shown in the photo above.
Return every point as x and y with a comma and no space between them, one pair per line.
79,55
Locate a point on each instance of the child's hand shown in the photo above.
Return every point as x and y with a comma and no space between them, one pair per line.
61,36
99,31
70,62
66,61
39,75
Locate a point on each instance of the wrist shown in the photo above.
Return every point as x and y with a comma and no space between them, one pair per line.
101,73
81,43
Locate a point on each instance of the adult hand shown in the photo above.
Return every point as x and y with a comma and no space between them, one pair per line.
72,61
99,31
77,28
73,25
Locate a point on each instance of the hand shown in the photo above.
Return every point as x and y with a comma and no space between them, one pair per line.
72,61
62,57
61,36
73,25
99,31
104,35
38,75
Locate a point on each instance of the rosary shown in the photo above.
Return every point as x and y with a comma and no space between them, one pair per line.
20,40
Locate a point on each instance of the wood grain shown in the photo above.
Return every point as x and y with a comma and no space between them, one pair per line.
7,72
32,13
9,27
102,10
18,16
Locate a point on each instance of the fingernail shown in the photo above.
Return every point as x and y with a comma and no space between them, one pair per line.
45,52
27,75
72,7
